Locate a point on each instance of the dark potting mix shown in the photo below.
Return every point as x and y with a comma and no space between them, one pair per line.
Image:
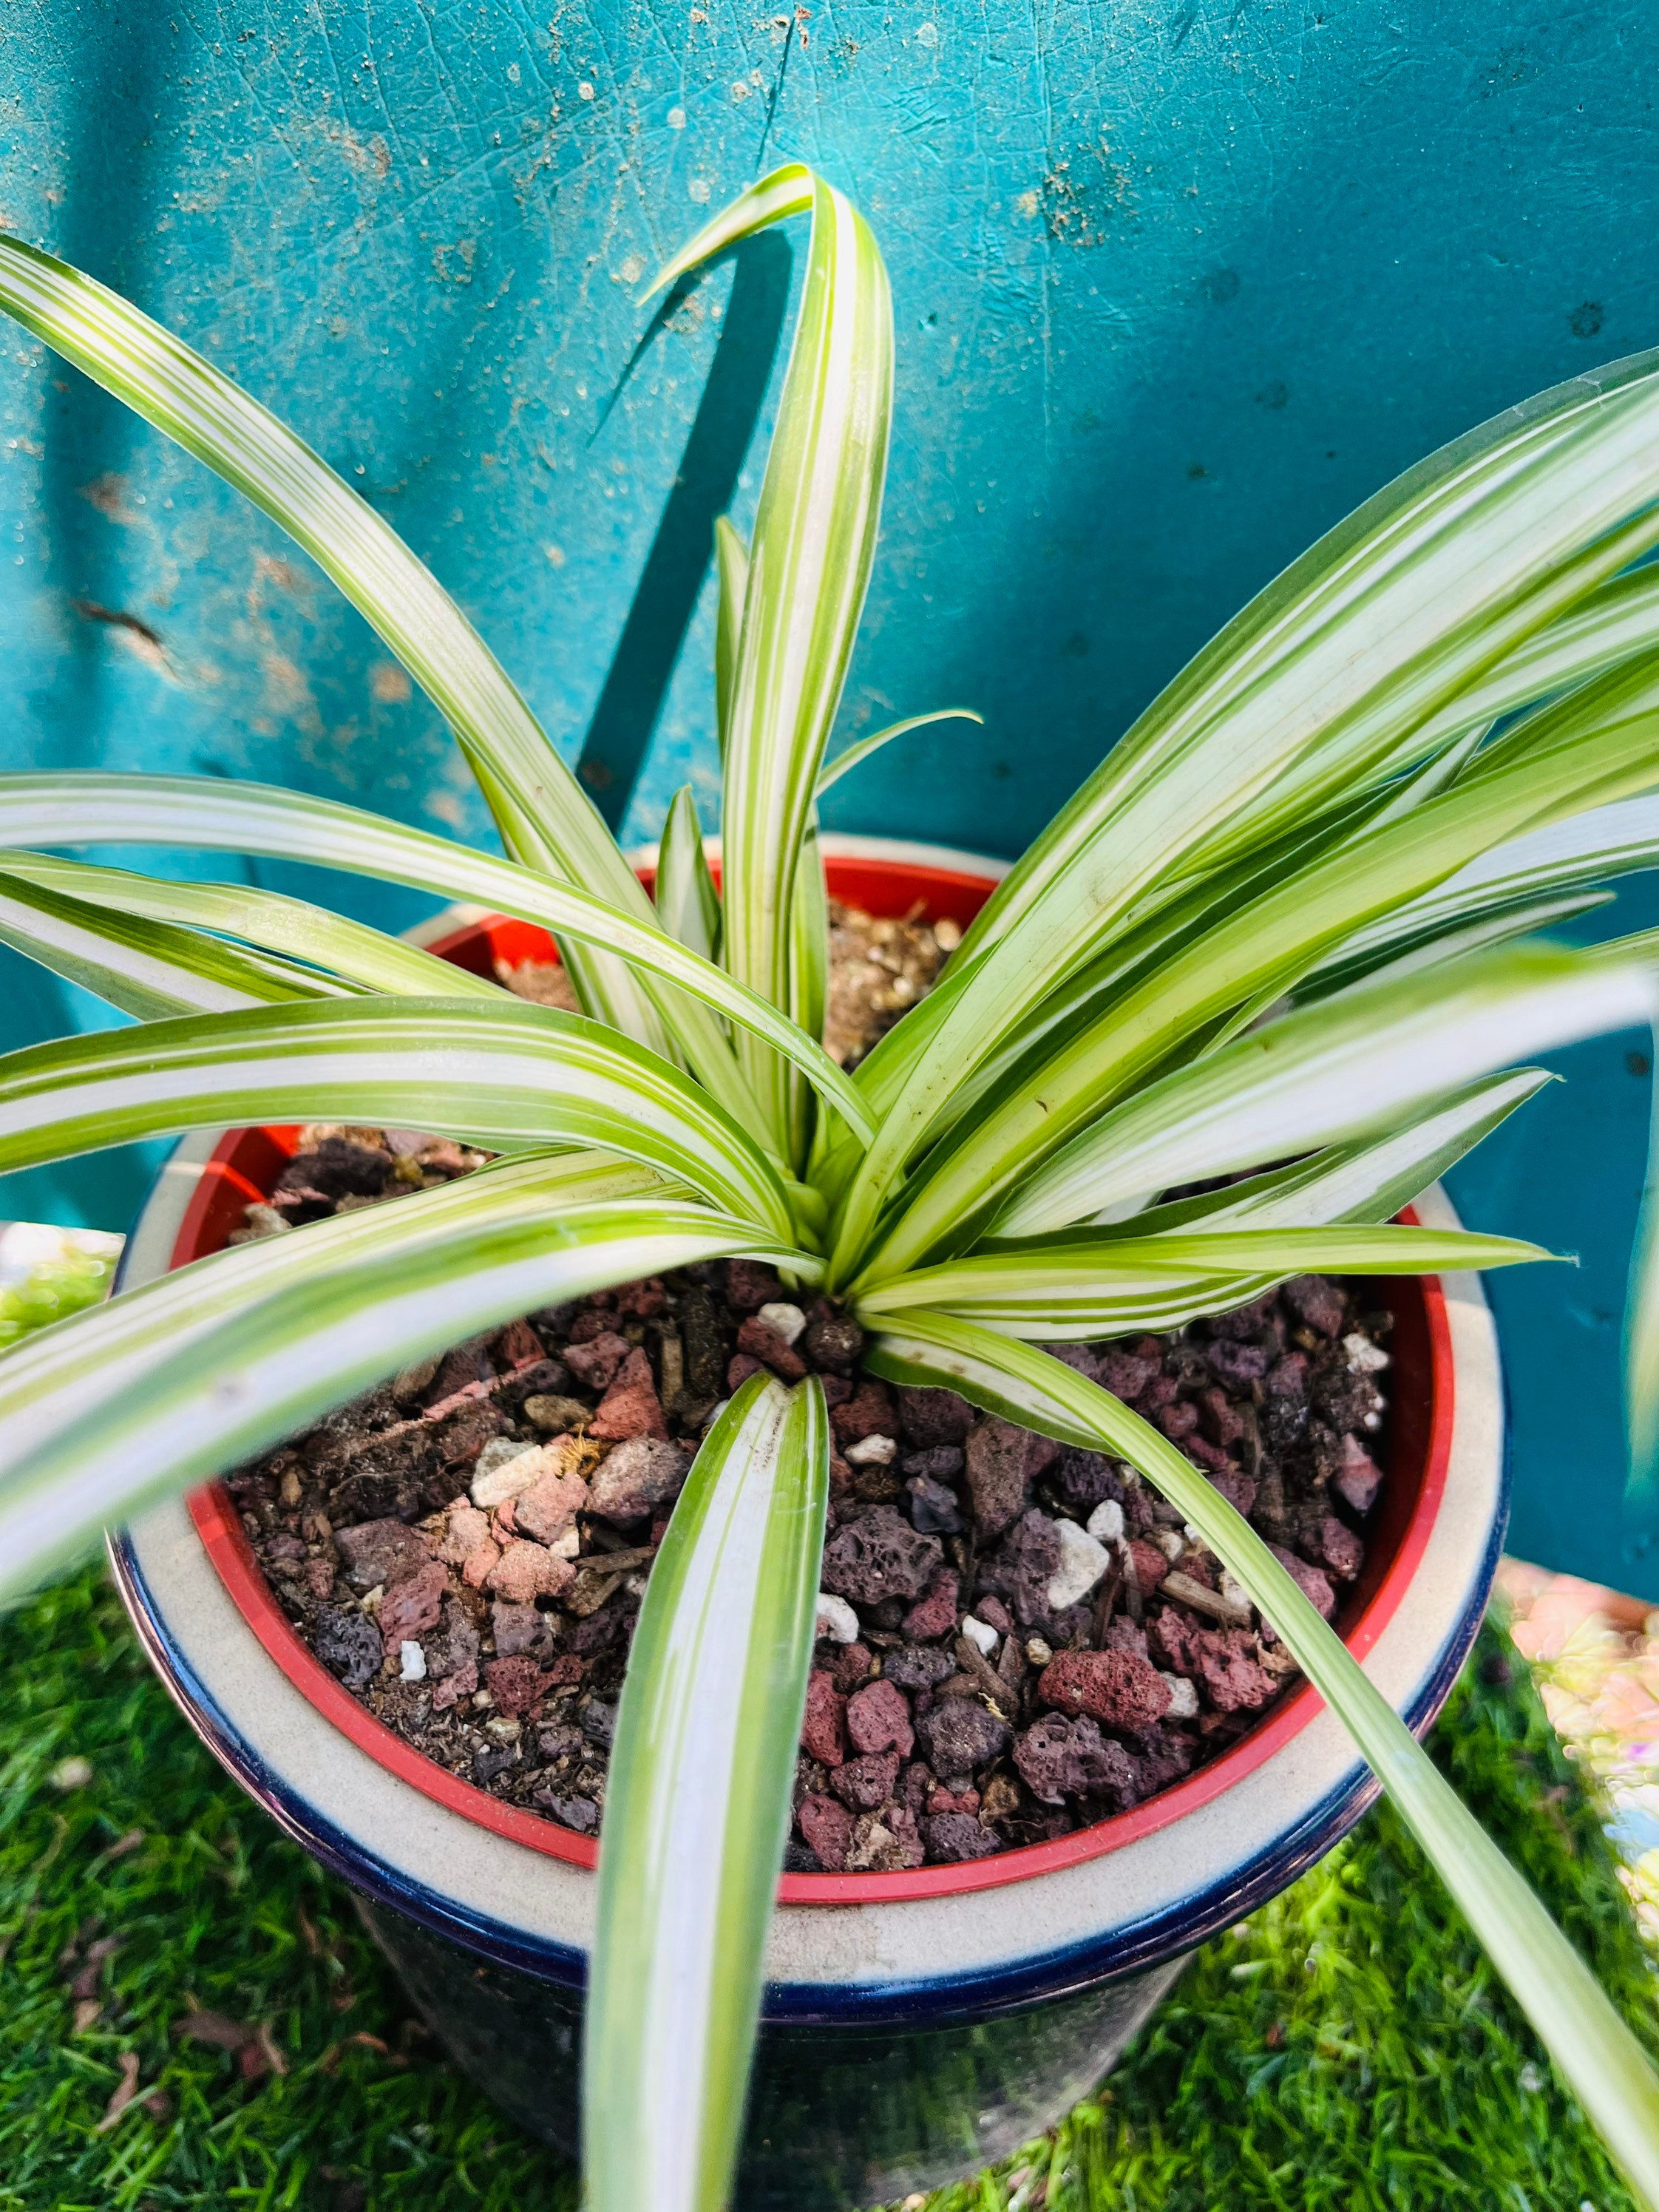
1016,1639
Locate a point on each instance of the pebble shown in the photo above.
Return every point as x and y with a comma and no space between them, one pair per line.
872,1451
642,1474
1038,1651
1105,1524
502,1469
525,1572
1117,1688
823,1725
349,1644
631,1407
1364,1358
878,1719
783,1319
879,1556
1183,1698
836,1619
1082,1561
547,1511
959,1736
413,1606
980,1634
411,1661
827,1828
385,1552
553,1414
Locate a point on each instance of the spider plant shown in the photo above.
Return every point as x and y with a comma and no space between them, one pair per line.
1287,933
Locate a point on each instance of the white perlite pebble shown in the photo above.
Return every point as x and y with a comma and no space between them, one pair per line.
1234,1590
872,1451
1106,1522
1364,1358
1082,1564
1038,1651
411,1659
836,1619
503,1469
1183,1698
786,1320
980,1634
1171,1541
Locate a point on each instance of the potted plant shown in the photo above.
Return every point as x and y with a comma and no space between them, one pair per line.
1286,931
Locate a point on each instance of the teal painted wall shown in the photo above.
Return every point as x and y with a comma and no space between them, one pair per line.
1176,285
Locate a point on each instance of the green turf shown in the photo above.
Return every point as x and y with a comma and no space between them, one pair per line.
1345,2049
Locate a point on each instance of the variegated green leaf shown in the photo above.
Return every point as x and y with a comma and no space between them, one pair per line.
855,755
1351,1064
507,1077
268,1369
546,818
1081,1287
808,571
207,814
688,905
1597,2055
148,968
698,1807
732,568
307,933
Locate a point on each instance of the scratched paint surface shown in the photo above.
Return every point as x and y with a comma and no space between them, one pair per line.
1176,285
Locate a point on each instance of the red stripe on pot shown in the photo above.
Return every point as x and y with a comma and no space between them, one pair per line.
245,1164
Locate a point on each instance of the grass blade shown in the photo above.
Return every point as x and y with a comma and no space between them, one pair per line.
688,905
698,1807
854,756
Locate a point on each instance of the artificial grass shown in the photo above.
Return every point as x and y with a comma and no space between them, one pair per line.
1347,2047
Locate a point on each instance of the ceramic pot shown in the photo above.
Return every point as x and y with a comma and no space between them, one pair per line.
916,2026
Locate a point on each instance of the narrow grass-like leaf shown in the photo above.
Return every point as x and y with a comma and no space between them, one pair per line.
732,569
1597,2055
1348,1066
311,934
808,571
146,968
854,756
269,1368
698,1807
206,814
545,817
508,1077
688,905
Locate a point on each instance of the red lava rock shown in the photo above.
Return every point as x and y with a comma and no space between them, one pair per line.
992,1611
867,1782
1236,1487
934,1614
762,1342
1288,1377
930,1418
595,1363
547,1509
517,1346
828,1829
1336,1546
566,1670
832,1340
518,1685
999,1465
1228,1674
384,1552
481,1562
868,1412
954,1800
750,1284
1169,1636
587,1326
1359,1478
1314,1586
1124,1374
960,1736
631,1407
917,1667
850,1667
1179,1419
1222,1421
1147,1564
823,1727
453,1687
1240,1364
1318,1303
525,1572
739,1368
878,1718
413,1606
1114,1687
519,1632
644,1300
640,1474
956,1838
879,1556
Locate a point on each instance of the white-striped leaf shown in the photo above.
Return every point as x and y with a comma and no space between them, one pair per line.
698,1807
1598,2056
688,905
507,1077
205,813
269,1368
855,755
545,815
808,571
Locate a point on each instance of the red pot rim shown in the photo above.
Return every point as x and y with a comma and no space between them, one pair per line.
245,1164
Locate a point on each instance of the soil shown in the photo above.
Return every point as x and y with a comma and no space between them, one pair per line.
1016,1639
